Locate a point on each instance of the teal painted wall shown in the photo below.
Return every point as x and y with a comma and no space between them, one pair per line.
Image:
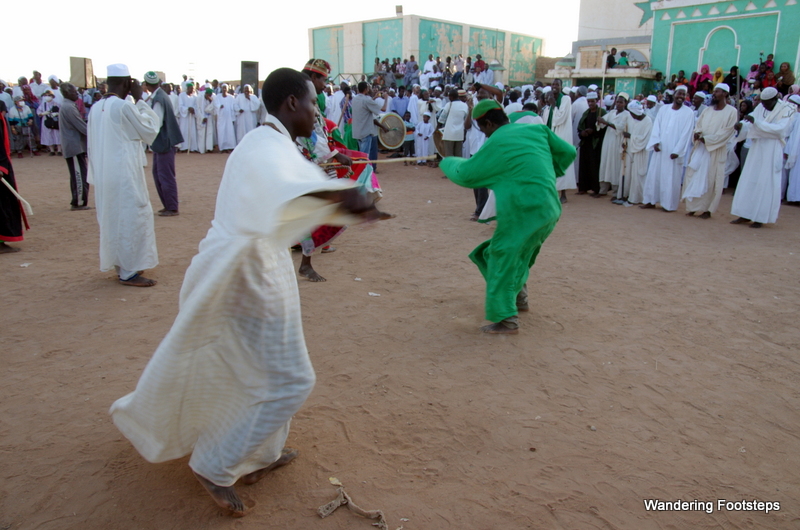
329,45
384,39
726,38
522,59
489,43
632,85
439,38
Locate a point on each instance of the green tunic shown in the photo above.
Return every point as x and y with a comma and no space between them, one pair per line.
520,163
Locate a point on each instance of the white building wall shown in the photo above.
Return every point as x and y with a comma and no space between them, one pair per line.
353,34
606,19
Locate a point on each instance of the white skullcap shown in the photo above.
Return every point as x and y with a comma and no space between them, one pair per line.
428,114
592,87
634,107
117,70
723,86
669,92
608,100
624,95
437,88
499,85
415,85
652,98
547,89
769,93
3,82
700,94
52,78
224,85
573,90
794,98
591,95
681,87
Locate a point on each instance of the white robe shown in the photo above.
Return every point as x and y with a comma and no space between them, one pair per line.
579,106
205,131
413,109
116,134
225,382
422,147
173,98
758,193
793,151
188,121
636,157
562,127
226,134
716,127
336,109
672,130
246,115
611,152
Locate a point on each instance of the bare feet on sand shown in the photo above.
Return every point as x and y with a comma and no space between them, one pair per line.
308,272
287,455
225,496
5,249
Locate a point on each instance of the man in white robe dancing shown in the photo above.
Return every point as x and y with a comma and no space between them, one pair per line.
225,382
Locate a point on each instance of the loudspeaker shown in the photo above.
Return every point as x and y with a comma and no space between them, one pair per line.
81,73
250,75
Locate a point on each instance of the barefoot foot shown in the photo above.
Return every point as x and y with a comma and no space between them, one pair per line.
225,497
287,455
307,272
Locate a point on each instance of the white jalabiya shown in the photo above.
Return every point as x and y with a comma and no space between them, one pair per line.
422,147
116,134
716,128
792,152
636,157
413,109
758,193
225,382
672,131
173,98
205,131
188,121
246,115
579,106
473,140
226,134
336,109
786,147
562,127
611,152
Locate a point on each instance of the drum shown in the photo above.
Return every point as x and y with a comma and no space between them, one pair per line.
438,142
396,135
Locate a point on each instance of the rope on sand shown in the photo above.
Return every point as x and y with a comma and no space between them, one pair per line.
343,499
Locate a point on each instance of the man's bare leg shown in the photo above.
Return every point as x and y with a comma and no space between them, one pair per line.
225,497
287,455
5,249
308,271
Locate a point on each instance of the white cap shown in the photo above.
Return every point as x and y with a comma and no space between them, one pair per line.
592,87
428,114
591,95
573,90
794,98
723,86
769,93
624,95
700,94
547,89
681,87
652,98
117,70
634,107
52,78
499,85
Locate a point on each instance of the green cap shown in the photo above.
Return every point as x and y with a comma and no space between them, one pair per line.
483,107
152,78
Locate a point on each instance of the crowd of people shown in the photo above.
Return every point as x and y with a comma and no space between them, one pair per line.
303,167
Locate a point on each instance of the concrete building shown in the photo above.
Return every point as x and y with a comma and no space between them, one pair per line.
352,47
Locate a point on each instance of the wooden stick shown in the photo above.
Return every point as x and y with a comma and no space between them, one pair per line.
25,204
385,161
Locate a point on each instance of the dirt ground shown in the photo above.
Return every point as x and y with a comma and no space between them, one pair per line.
658,361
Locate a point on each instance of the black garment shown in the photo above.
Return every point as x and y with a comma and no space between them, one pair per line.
10,213
591,147
611,61
481,196
733,179
730,80
78,184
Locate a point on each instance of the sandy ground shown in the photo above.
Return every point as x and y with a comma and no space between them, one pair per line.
658,361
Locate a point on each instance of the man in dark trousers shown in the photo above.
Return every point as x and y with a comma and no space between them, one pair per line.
164,146
73,145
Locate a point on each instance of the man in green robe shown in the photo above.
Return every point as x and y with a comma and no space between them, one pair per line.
519,163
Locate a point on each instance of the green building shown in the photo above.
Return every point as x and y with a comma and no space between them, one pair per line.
352,48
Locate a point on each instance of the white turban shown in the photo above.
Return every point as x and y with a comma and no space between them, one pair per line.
499,85
634,107
428,114
591,95
723,86
681,87
52,78
769,93
547,89
794,98
700,94
652,98
573,90
608,100
592,87
624,95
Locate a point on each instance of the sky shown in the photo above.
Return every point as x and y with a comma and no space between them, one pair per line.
209,39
